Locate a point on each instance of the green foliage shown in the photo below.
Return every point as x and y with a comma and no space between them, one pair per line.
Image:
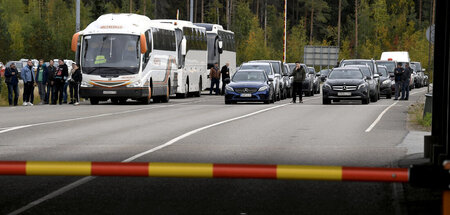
296,42
5,39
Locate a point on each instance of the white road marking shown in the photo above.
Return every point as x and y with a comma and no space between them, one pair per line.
379,117
84,180
384,111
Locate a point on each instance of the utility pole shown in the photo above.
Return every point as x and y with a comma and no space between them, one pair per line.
191,10
77,20
284,31
201,11
265,23
420,13
217,12
131,6
356,28
339,24
155,9
228,14
311,29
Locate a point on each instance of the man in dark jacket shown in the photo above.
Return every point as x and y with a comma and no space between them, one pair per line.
75,84
299,75
225,71
51,70
12,81
62,72
398,72
214,75
41,80
406,78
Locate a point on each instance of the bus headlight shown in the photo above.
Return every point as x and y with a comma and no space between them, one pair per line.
86,84
135,84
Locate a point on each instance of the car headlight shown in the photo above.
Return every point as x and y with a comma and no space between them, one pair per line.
361,86
264,88
326,86
86,84
386,82
229,88
135,84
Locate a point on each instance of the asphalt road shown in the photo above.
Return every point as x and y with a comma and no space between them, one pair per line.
280,133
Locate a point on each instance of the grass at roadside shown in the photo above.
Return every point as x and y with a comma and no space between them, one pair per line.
4,94
416,117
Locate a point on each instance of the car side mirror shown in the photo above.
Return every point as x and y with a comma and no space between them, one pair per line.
270,79
423,70
323,78
368,78
376,75
318,74
220,44
227,80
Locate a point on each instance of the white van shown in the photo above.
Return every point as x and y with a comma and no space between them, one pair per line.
399,56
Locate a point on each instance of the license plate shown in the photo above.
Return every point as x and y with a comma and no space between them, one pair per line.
110,92
246,95
344,93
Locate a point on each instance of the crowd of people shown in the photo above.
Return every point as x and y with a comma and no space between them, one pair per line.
52,83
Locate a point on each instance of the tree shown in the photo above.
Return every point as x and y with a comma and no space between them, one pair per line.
5,38
297,40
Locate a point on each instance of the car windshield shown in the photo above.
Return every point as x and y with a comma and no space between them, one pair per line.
324,71
346,74
358,62
390,65
252,76
110,54
417,66
265,67
365,70
382,71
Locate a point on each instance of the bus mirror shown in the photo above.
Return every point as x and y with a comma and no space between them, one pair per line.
183,46
74,44
143,44
220,46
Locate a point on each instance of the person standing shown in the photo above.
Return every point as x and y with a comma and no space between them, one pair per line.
51,70
214,75
29,78
60,80
12,81
398,72
299,75
225,72
75,84
41,80
406,78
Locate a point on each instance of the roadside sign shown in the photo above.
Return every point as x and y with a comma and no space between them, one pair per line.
321,55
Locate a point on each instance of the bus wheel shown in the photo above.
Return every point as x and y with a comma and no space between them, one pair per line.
185,94
94,101
122,100
200,86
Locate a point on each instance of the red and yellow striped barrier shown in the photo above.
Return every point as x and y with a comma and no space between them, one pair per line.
204,170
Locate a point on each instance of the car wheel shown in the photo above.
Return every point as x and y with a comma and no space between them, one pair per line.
373,98
278,96
365,101
94,101
389,95
326,101
186,94
227,102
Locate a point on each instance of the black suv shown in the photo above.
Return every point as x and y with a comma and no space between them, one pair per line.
346,83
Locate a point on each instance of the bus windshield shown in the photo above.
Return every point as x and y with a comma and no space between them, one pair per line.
110,54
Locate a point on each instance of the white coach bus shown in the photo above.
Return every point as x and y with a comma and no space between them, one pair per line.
192,74
129,56
221,47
